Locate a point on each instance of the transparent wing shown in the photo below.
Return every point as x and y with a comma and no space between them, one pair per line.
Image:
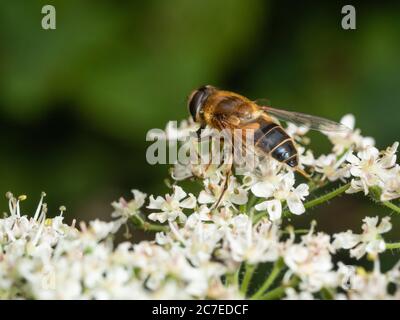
312,122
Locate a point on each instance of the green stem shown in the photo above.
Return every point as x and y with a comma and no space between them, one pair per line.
327,294
279,292
276,270
375,194
251,202
391,206
258,216
147,226
297,231
274,294
247,277
229,279
137,220
394,245
236,276
326,197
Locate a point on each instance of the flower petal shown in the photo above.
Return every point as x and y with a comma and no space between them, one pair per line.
302,191
239,196
295,205
262,189
385,225
156,203
179,194
139,198
274,208
205,197
348,120
189,202
261,206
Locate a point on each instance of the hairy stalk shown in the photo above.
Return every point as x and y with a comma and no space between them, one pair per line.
375,194
326,197
276,270
249,270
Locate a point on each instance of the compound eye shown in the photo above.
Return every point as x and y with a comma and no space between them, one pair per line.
196,102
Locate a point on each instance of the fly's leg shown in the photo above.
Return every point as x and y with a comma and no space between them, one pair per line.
304,174
228,173
309,178
199,139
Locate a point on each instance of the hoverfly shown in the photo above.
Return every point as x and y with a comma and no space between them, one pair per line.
228,110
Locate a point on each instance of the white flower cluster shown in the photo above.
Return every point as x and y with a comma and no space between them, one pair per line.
208,243
44,258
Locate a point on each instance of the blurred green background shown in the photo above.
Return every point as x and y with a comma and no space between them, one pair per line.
76,102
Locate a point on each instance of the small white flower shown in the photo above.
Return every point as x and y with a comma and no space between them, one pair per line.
273,207
311,260
346,240
391,188
200,241
306,157
265,176
365,167
284,190
171,206
345,274
373,285
351,140
101,229
371,168
331,168
369,242
254,244
294,130
234,194
123,210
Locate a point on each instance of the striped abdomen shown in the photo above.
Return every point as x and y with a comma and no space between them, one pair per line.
272,139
